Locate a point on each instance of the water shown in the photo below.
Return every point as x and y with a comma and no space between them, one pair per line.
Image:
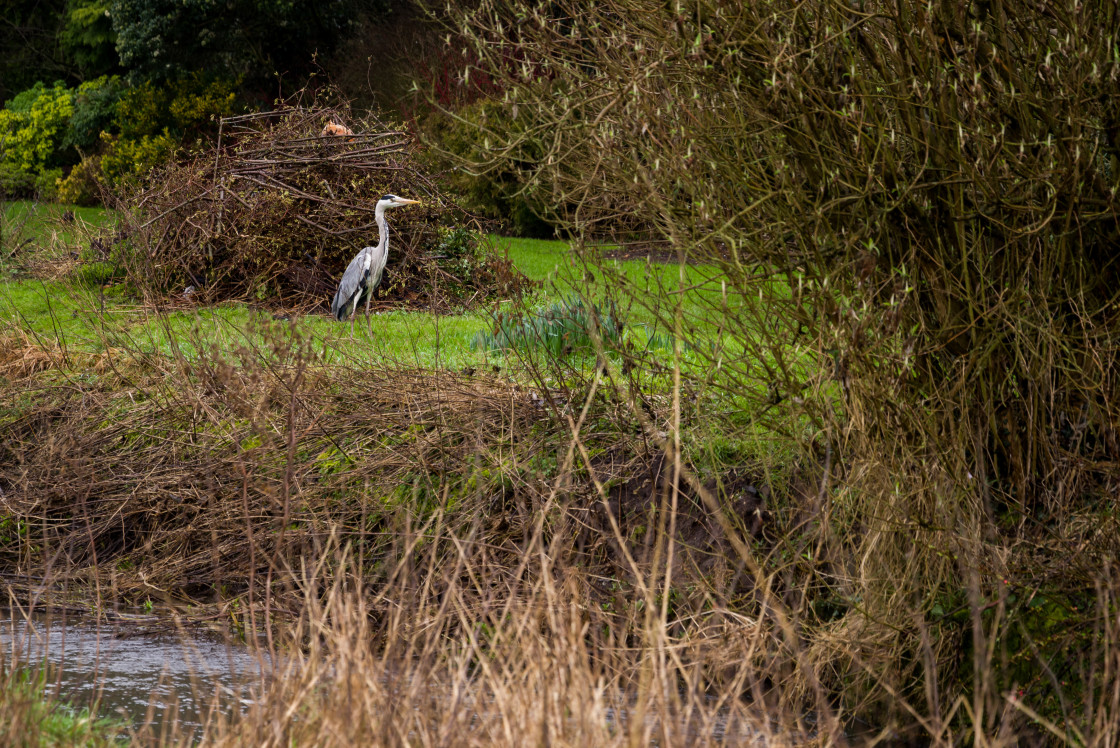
142,669
139,668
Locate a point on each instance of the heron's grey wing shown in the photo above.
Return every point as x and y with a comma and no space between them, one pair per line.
377,266
352,284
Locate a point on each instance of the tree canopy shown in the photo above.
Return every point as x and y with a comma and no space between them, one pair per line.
159,40
249,39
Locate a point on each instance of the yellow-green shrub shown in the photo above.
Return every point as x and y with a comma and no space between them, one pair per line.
127,159
32,126
153,121
193,108
192,102
45,128
80,186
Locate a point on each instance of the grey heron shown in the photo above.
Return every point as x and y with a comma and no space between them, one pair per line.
364,271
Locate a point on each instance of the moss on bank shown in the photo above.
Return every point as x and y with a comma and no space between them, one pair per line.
30,718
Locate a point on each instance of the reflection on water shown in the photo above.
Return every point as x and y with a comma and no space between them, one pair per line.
149,680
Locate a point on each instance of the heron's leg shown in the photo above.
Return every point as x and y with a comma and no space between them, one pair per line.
353,314
369,321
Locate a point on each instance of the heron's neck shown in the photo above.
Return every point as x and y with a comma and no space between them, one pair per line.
382,229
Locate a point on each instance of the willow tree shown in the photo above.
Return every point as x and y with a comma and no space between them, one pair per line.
922,198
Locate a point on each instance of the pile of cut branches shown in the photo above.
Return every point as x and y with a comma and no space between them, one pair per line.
278,207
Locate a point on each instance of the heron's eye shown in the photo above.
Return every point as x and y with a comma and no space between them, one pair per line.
389,197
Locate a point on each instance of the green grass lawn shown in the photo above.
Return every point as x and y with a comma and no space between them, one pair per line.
77,314
48,226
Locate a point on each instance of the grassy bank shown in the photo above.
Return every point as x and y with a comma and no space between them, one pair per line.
57,292
612,546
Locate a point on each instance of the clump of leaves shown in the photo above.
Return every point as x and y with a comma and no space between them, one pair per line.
565,328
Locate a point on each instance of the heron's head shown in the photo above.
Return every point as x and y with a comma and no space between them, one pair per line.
392,201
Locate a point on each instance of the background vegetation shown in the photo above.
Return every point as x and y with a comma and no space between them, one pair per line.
811,432
97,92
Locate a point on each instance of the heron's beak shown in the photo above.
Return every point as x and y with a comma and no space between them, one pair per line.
406,201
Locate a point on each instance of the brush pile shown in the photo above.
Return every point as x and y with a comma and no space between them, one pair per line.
202,475
277,208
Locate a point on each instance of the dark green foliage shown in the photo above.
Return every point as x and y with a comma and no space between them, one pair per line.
95,107
71,40
29,49
15,182
501,193
98,273
457,252
88,38
163,39
185,61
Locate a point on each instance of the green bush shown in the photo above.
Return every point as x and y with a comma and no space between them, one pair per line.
88,37
457,251
15,183
80,186
42,130
561,329
184,107
129,131
46,184
32,127
95,109
126,160
152,121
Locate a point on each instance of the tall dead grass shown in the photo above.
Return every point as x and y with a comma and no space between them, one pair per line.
439,558
467,656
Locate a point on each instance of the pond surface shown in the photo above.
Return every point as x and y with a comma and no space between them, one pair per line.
168,681
140,668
